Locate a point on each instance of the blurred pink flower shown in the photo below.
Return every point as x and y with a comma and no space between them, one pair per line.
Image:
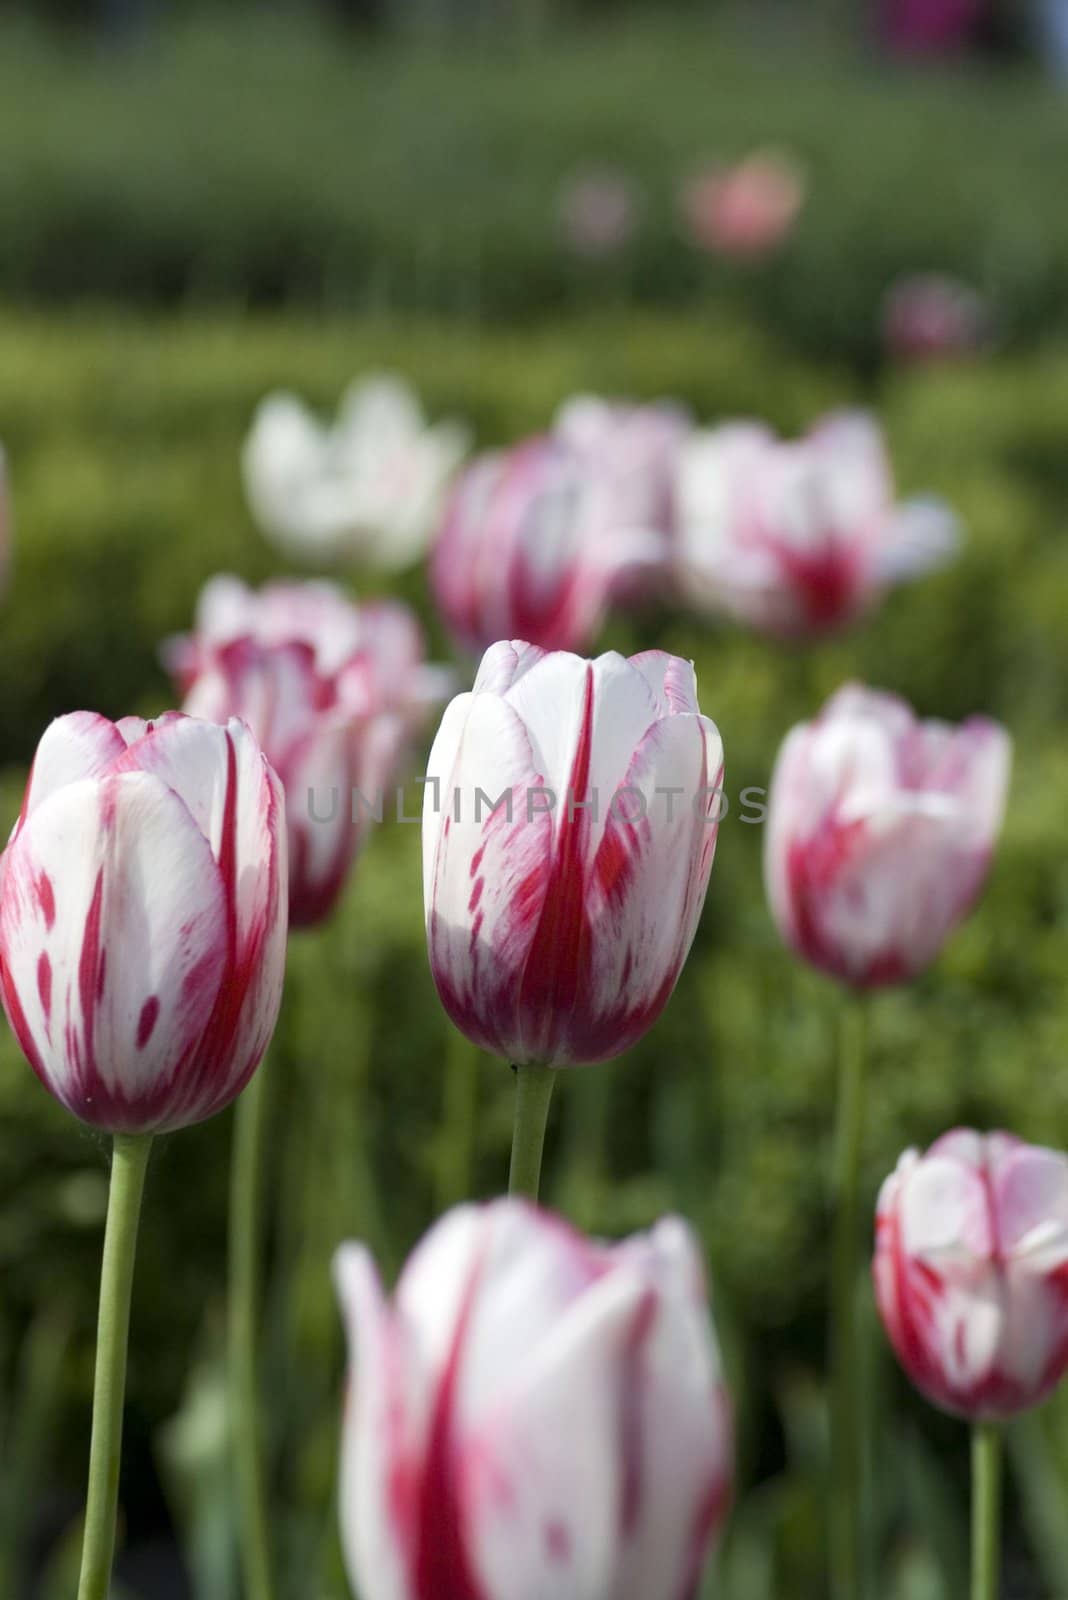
333,692
880,833
746,210
799,537
532,1414
929,27
599,210
931,316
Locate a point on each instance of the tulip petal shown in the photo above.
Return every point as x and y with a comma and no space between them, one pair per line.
113,929
80,745
486,869
541,1478
380,1447
678,1428
648,884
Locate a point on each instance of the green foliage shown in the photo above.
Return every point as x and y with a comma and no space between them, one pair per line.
124,439
269,161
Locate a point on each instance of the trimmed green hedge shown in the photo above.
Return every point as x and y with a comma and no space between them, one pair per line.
123,438
255,159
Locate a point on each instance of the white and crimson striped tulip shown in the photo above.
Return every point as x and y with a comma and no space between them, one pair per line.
143,917
880,832
799,537
971,1271
538,541
331,691
532,1414
558,921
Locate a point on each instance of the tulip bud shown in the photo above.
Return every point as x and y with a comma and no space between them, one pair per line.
880,832
971,1258
143,917
569,827
532,1414
538,541
799,537
332,692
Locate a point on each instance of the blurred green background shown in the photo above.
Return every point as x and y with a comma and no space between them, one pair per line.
217,205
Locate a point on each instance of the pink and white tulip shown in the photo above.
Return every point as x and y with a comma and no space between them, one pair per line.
559,920
332,691
143,917
745,211
931,317
537,542
971,1271
532,1414
367,488
799,537
600,210
880,832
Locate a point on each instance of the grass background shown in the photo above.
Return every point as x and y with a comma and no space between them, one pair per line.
247,158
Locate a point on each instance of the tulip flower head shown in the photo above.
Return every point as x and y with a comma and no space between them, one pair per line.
368,489
538,541
143,917
568,834
745,211
970,1270
798,538
599,212
879,834
333,691
532,1414
931,317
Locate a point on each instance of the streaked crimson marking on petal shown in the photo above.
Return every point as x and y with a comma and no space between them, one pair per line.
44,984
631,1421
442,1565
46,899
20,1027
558,1543
553,976
89,970
147,1020
476,895
101,976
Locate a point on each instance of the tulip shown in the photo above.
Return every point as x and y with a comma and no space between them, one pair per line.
143,917
747,210
142,945
599,212
332,692
367,489
638,448
932,317
558,922
971,1255
532,1414
880,833
798,538
538,541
